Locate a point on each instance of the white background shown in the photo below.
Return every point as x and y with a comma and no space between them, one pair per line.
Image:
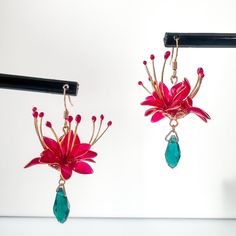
101,44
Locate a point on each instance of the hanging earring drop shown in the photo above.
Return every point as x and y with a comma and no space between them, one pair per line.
174,103
66,153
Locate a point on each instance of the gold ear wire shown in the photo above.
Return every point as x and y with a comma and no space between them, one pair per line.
66,112
174,77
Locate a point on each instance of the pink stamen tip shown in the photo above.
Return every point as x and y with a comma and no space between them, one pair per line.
34,109
201,74
70,118
200,70
102,117
94,118
149,78
109,123
48,124
41,114
78,118
145,63
152,57
35,114
167,54
140,83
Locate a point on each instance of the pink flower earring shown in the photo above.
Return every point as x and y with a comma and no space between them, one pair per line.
66,154
174,103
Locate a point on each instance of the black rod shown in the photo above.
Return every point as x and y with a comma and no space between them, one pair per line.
201,40
34,84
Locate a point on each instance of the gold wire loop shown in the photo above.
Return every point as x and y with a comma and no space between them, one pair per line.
173,123
66,112
61,185
169,134
174,77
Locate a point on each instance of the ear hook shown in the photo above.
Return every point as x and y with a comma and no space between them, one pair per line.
66,112
174,77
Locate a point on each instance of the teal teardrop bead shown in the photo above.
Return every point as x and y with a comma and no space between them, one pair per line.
61,207
172,152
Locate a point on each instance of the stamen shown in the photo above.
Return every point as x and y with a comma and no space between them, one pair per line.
109,123
166,56
141,84
99,129
198,83
35,115
49,125
34,109
152,57
94,120
77,119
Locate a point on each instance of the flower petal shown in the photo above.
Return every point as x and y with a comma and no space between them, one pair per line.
88,155
200,113
182,92
66,172
83,168
150,111
165,92
49,157
53,145
157,116
90,160
33,162
79,150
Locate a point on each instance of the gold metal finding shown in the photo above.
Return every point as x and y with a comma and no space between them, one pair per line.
174,77
173,123
62,183
66,112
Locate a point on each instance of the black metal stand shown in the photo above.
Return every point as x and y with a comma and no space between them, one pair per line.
201,40
34,84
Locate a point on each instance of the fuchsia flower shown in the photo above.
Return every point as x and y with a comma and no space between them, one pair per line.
67,153
174,103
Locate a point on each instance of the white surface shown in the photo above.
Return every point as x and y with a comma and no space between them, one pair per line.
101,44
117,227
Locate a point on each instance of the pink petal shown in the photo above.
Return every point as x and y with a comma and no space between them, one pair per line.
200,113
90,160
64,144
79,150
83,168
174,90
53,145
183,92
88,155
49,157
66,172
150,111
33,162
157,116
165,92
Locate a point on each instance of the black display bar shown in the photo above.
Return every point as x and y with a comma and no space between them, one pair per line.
201,40
33,84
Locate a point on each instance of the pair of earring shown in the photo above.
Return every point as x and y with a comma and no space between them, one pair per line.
67,153
174,103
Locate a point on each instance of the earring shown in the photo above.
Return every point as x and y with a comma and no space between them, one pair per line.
174,103
66,153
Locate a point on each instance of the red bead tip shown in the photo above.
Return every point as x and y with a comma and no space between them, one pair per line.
200,70
109,123
78,118
102,117
94,118
34,109
201,75
140,83
41,114
167,54
70,118
35,114
145,63
48,124
152,57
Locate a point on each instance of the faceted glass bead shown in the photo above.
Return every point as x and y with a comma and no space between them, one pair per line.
172,152
61,207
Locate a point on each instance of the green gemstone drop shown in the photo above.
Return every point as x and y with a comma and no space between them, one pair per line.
172,152
61,207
